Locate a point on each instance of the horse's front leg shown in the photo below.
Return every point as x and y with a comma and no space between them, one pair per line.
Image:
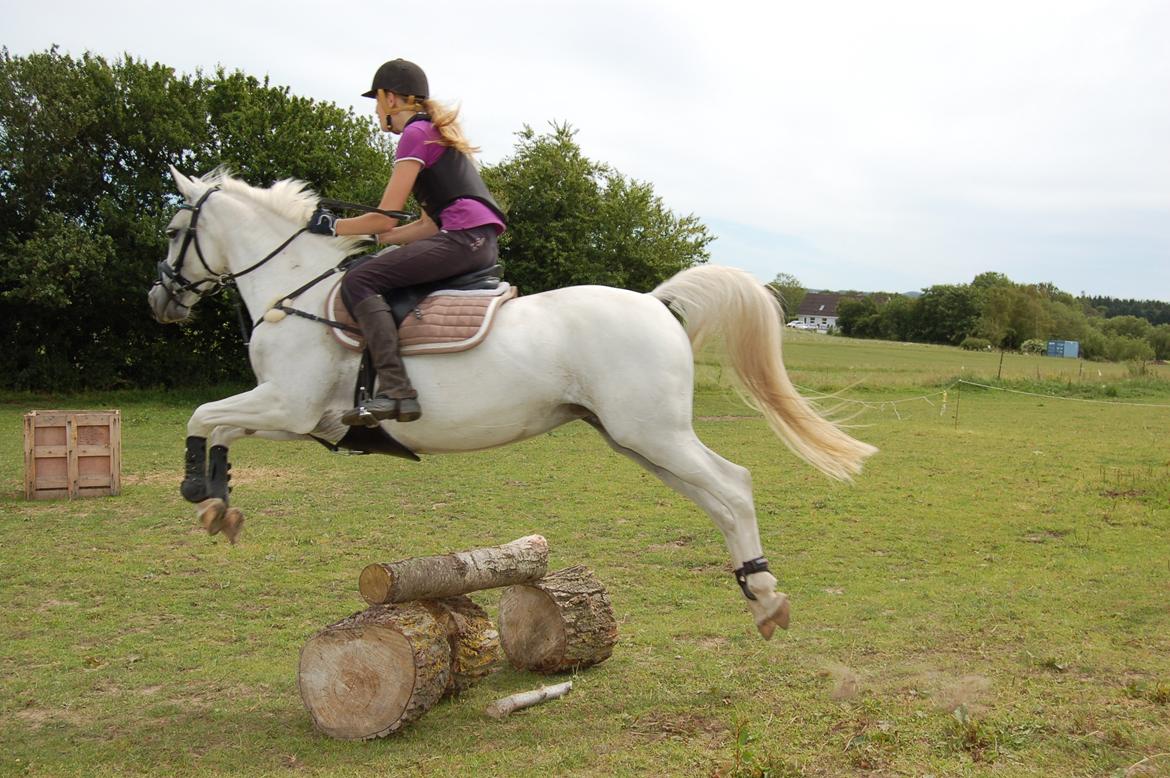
261,412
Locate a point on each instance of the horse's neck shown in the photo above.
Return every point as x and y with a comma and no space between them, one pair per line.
299,263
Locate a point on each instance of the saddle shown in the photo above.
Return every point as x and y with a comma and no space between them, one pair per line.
441,317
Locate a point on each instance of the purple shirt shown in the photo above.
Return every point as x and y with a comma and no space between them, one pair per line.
463,214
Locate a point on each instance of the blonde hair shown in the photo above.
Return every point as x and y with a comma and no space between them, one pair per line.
444,118
446,121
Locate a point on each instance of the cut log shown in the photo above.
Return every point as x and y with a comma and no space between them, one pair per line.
430,578
374,672
474,641
562,622
502,708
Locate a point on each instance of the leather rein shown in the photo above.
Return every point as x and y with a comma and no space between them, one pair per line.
219,281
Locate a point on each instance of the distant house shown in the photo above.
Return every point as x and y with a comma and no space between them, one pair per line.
818,311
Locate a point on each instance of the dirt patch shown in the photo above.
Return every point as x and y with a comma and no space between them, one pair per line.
252,475
161,478
672,545
1045,535
41,717
1127,493
713,643
663,725
48,605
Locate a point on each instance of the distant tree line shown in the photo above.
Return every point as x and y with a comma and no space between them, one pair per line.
85,197
994,311
1153,311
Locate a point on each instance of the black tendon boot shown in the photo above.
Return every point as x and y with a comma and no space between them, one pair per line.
194,488
396,398
219,473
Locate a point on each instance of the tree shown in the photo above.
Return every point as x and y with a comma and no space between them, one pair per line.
858,318
947,313
575,221
85,196
790,291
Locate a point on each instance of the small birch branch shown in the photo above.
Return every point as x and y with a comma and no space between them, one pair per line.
503,707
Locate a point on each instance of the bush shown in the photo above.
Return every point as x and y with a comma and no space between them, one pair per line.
1123,348
971,343
1033,346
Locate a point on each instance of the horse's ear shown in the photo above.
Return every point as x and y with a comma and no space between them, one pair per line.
186,186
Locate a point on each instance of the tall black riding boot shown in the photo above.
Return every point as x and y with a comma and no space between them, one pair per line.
396,398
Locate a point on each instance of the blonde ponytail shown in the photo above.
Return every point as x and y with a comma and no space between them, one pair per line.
446,121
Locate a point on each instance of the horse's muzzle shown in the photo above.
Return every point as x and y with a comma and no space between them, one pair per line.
165,307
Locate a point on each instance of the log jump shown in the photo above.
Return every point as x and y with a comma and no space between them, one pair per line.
422,639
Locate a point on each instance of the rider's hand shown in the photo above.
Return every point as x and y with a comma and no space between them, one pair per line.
323,222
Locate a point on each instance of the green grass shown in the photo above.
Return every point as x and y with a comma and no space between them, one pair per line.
990,597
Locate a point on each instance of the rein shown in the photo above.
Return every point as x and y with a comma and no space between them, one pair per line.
219,281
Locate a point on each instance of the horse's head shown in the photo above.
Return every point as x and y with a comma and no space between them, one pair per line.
226,229
188,273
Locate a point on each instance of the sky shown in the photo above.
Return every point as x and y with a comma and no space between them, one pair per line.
875,146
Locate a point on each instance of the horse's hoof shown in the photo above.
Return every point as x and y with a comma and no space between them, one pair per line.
233,522
211,514
778,618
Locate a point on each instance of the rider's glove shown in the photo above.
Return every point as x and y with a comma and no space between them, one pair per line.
323,222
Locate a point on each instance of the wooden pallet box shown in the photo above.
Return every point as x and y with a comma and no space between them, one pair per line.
72,454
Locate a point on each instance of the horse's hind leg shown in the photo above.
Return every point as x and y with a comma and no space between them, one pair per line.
724,491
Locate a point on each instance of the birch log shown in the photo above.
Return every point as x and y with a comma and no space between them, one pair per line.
562,622
503,707
435,577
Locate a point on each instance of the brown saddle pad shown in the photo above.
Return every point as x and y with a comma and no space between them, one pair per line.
443,323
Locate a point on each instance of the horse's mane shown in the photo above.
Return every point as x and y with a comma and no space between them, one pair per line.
289,198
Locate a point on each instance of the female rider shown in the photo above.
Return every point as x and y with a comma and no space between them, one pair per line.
456,234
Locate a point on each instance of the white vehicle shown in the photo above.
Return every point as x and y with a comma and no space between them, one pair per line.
797,324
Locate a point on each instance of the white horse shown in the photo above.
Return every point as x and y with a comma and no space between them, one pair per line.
619,360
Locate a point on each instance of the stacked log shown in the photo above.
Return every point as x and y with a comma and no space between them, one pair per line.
374,672
562,622
434,577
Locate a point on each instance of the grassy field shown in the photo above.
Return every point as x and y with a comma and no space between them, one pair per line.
991,597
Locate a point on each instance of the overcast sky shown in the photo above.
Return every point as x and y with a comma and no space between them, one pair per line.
856,145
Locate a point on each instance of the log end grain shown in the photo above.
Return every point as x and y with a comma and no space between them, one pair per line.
357,683
374,672
532,630
375,583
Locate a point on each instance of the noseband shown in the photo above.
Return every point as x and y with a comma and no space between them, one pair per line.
218,281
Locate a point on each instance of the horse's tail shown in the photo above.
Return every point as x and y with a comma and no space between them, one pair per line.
728,305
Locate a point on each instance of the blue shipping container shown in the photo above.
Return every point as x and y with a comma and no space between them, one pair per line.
1068,349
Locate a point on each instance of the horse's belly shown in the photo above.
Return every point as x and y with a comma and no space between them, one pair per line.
547,358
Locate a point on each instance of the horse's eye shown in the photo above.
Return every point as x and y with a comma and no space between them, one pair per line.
172,234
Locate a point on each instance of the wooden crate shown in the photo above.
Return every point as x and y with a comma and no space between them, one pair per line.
72,454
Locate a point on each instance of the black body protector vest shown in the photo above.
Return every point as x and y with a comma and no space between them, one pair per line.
451,178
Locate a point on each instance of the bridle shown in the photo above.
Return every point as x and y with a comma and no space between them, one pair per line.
218,281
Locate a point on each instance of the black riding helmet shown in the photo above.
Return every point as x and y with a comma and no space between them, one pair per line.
401,78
